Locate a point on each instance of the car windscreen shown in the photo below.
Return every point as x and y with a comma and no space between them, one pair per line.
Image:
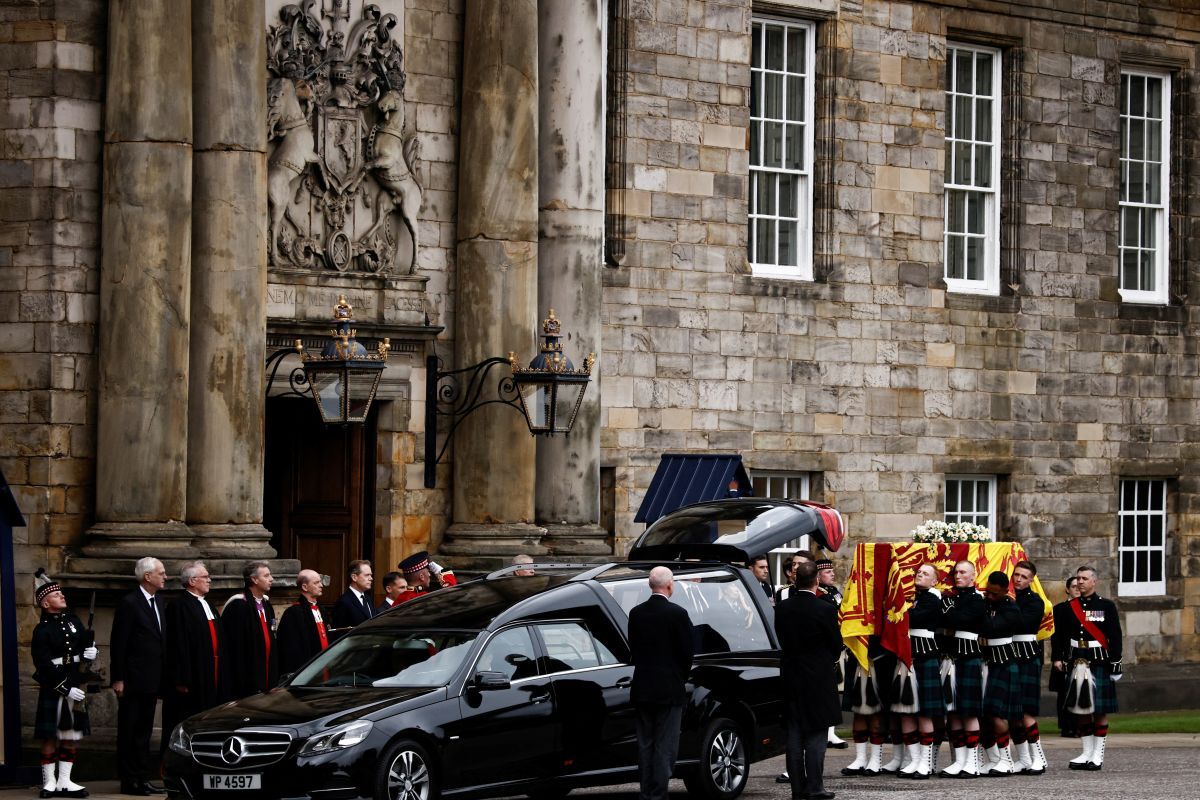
389,657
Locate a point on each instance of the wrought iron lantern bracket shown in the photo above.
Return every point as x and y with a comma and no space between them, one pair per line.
297,380
456,394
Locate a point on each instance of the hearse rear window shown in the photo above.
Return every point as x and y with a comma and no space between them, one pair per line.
723,614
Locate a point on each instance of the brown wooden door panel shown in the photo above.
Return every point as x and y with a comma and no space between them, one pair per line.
318,489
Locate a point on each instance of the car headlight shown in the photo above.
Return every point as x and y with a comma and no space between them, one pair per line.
181,741
339,738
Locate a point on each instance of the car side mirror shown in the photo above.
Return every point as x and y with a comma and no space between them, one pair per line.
490,680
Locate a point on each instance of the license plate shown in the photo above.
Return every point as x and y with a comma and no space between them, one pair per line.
233,781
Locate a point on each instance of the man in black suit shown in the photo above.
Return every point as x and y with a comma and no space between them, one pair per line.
303,629
354,606
761,568
137,673
808,635
197,666
660,642
249,623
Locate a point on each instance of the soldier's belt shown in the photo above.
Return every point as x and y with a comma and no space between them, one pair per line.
920,633
58,662
1025,637
999,642
1085,644
970,637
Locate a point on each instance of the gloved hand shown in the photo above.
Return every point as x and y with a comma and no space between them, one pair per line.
947,604
75,694
90,653
435,568
1114,669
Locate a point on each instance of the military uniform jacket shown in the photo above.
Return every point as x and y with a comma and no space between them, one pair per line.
1102,613
1000,621
252,668
57,650
297,635
1032,608
925,614
963,613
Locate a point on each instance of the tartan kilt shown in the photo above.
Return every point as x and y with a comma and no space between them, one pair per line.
1030,687
1106,689
930,700
1002,696
968,687
45,723
860,686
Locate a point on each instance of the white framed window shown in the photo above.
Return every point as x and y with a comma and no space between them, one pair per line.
971,247
971,498
1145,187
1142,546
781,148
788,486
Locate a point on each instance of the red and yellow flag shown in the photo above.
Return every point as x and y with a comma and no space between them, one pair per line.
881,589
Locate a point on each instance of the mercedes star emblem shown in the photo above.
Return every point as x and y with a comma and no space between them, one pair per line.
231,751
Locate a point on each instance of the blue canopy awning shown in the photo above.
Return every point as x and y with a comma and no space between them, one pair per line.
686,478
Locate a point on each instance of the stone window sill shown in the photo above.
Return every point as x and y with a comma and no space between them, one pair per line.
1166,602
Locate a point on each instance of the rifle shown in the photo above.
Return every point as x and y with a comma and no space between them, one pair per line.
91,678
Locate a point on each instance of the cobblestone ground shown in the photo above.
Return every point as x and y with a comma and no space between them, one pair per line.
1144,767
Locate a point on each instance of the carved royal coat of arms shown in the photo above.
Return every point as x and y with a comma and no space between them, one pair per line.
343,189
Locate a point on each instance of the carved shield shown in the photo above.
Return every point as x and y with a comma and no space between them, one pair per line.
341,144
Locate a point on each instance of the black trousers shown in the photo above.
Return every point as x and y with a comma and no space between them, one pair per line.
135,723
806,758
658,745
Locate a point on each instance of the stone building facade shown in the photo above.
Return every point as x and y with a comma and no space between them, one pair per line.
894,254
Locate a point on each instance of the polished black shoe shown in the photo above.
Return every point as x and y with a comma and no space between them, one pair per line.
842,745
782,778
822,796
154,788
44,793
136,789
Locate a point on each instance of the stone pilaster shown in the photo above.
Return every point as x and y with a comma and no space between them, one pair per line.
570,242
145,283
229,279
497,253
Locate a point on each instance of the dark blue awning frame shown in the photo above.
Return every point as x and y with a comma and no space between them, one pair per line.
686,478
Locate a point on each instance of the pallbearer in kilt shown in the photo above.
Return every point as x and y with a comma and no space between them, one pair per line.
1094,664
1001,696
1027,741
924,617
963,613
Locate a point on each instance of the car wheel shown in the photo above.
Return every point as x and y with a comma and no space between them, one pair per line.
406,773
723,766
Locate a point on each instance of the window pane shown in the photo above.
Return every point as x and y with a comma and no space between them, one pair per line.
1127,496
1130,269
983,73
1148,279
955,256
975,212
1135,188
967,498
795,50
952,496
1156,566
774,54
773,96
1154,97
983,165
962,164
1137,139
1143,531
795,148
756,50
1124,106
787,195
773,144
981,496
1127,566
766,193
1157,495
1128,531
957,213
975,258
766,242
787,243
1141,568
1137,96
962,118
1156,531
983,120
1154,141
795,98
1130,226
965,74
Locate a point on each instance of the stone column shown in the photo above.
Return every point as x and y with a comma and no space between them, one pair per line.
497,263
570,253
229,279
145,284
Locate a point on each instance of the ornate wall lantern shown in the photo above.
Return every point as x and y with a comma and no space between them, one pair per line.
343,377
550,388
548,393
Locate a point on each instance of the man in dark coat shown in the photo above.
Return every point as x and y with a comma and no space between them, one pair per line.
197,666
660,643
809,637
1060,649
249,623
60,647
963,614
355,606
303,628
138,659
761,567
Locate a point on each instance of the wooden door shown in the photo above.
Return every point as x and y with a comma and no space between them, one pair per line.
319,490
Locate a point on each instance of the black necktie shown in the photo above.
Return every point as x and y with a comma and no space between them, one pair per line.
154,613
366,606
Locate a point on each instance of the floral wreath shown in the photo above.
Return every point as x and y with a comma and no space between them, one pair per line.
936,532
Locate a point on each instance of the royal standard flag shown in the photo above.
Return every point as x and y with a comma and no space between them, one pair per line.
881,589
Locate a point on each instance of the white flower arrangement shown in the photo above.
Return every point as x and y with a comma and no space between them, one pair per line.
937,532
